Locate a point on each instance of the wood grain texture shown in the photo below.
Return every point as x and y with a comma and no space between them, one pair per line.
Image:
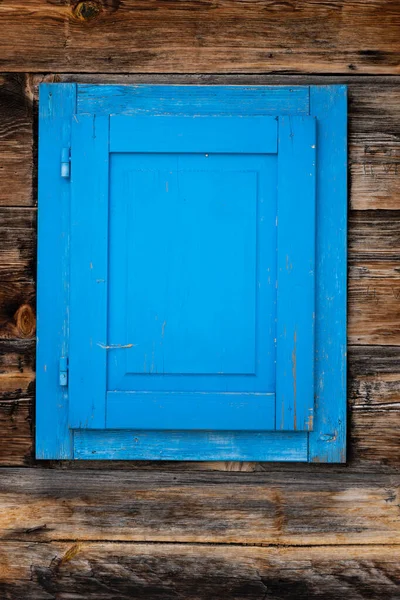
374,144
374,244
18,244
374,405
373,316
16,141
17,376
109,36
16,426
17,369
101,571
242,508
17,310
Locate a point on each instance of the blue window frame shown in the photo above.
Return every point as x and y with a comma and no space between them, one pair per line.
192,273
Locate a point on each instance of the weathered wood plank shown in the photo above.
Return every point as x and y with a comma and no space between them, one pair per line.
374,285
17,378
16,141
374,137
374,405
248,508
17,369
373,311
17,310
101,571
345,36
375,361
374,244
16,426
374,435
18,244
18,234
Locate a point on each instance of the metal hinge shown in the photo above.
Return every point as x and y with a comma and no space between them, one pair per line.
66,163
63,371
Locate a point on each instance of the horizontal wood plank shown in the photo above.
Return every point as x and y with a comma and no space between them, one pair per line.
101,571
345,36
373,311
374,146
374,405
18,244
243,508
374,244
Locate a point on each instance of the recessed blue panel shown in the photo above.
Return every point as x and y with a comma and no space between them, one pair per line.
191,269
192,295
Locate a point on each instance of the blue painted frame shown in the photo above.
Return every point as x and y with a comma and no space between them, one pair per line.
327,440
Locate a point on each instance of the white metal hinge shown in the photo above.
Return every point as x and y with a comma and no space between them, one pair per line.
63,371
66,162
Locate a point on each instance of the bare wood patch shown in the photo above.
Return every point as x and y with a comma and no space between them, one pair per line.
250,508
373,311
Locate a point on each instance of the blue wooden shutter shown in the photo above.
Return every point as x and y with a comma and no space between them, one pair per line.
192,283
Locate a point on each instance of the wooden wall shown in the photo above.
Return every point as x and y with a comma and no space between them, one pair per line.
207,530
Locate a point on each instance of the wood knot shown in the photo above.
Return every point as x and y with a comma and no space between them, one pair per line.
25,321
87,11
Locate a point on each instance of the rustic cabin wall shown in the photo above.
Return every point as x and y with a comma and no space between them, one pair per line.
207,530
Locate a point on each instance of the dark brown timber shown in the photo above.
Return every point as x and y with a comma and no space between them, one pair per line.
191,36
